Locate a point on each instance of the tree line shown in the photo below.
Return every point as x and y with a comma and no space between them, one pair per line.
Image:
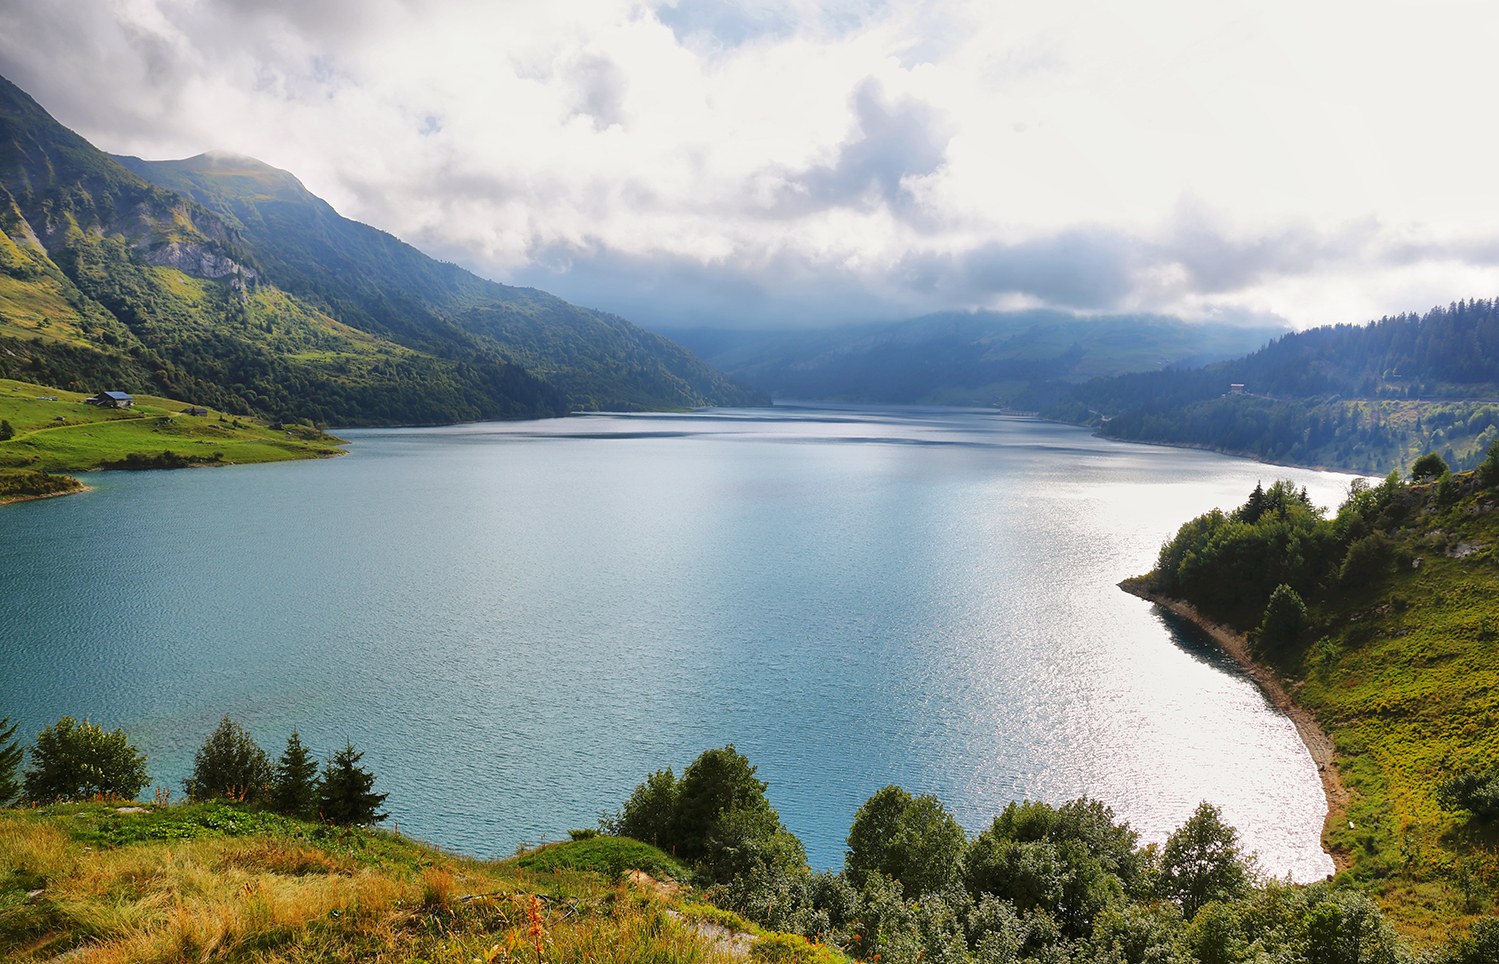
70,760
1365,397
1041,884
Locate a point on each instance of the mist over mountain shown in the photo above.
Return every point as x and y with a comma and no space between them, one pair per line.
1024,359
221,280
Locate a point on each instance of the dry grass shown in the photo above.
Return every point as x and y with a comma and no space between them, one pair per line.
283,899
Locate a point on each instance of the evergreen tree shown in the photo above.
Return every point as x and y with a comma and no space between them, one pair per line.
6,432
229,764
11,754
345,794
294,791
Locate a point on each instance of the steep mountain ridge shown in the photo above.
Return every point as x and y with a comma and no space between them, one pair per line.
599,360
250,295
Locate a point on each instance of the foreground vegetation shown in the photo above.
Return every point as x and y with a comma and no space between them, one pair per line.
46,430
99,882
1384,619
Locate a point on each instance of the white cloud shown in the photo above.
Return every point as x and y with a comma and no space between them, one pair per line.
795,162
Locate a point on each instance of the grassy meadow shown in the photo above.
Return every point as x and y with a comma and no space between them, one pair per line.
96,883
55,432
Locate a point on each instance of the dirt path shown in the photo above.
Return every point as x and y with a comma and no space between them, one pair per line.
1318,743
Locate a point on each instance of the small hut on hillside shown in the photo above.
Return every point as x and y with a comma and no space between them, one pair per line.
110,400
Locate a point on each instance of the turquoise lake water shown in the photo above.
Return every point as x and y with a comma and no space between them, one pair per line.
517,621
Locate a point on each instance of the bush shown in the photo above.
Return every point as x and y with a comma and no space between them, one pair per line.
1429,466
1476,791
1488,469
75,761
1285,619
346,794
229,764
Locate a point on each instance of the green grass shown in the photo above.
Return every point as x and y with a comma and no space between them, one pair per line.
67,435
1402,671
610,856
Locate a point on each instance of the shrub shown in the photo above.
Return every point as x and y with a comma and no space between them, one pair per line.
1428,466
74,760
346,793
229,764
1476,791
1285,618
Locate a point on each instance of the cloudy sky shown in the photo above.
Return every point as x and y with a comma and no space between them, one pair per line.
781,162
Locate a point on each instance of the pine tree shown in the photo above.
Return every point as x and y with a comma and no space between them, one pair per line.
229,764
295,789
11,754
345,794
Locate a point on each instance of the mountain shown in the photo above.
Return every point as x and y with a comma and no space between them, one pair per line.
1024,359
254,296
1369,398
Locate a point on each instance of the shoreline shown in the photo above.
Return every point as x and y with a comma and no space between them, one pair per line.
7,500
1313,737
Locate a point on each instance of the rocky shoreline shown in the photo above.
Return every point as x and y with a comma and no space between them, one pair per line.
1318,743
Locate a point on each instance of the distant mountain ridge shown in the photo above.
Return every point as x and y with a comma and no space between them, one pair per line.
1023,359
1370,398
222,280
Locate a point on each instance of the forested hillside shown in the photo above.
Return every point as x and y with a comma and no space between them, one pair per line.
1022,359
1370,398
108,281
1382,618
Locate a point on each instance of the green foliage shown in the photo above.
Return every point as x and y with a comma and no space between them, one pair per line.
914,841
609,856
7,431
1202,862
1367,561
346,794
294,786
1479,946
1284,621
76,761
648,814
1429,466
11,755
1230,564
1476,791
1352,396
229,764
25,483
1488,469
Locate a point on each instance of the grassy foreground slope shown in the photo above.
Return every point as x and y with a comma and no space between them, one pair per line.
54,431
95,882
1397,657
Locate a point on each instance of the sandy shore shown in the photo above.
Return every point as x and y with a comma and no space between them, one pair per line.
1318,743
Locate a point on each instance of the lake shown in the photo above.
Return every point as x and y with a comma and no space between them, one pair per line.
518,621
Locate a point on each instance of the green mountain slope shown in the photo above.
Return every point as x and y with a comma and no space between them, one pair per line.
110,281
1023,359
1394,653
1371,398
375,282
